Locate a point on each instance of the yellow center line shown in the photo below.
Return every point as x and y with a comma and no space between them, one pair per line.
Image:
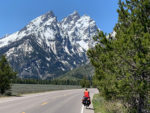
23,112
44,103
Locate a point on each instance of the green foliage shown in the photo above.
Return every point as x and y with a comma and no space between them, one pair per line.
122,65
79,73
82,75
39,81
107,106
85,83
6,75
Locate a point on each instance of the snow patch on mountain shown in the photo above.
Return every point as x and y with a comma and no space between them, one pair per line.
7,40
48,47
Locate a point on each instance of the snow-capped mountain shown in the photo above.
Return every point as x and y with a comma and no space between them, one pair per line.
47,47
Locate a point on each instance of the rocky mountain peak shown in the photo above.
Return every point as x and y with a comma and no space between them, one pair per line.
45,19
75,15
49,14
48,48
71,19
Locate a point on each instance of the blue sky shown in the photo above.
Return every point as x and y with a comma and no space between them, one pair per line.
15,14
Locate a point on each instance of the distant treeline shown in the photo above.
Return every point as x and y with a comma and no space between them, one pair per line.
55,81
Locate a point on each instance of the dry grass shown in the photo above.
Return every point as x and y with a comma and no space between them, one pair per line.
18,89
103,106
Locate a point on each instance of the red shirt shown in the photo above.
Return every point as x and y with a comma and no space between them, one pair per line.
86,94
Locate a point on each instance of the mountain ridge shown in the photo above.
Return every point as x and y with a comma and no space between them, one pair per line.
47,48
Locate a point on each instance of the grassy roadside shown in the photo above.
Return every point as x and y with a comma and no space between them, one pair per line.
103,106
19,89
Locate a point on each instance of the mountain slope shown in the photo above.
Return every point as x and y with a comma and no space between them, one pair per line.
47,48
79,73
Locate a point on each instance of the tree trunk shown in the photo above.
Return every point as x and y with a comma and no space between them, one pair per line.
140,104
2,91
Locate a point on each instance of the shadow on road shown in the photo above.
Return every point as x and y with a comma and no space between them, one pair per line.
90,108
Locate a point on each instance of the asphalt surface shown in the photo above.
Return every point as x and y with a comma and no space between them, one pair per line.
65,101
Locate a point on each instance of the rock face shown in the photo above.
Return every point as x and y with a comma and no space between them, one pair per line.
47,47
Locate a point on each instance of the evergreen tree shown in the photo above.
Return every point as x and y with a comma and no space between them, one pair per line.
6,75
85,83
122,65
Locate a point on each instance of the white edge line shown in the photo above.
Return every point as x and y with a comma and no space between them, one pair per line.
82,109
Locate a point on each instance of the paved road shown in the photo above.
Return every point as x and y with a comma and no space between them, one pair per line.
66,101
